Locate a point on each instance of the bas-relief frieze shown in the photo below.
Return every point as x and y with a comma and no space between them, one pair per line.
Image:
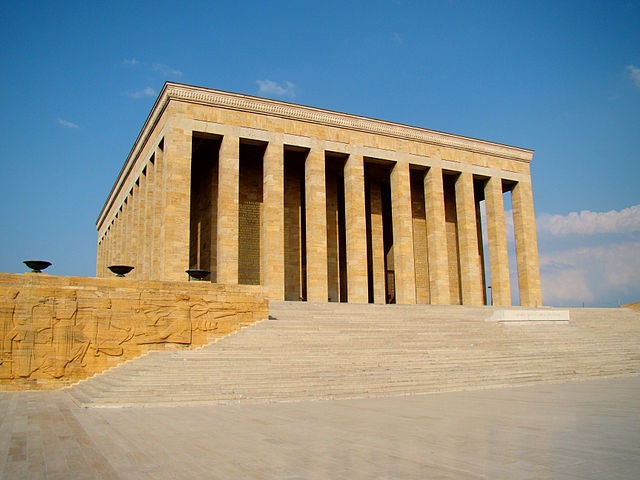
71,332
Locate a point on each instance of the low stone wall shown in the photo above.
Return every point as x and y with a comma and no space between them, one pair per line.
58,330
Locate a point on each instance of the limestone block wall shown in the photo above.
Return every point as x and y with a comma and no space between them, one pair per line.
58,330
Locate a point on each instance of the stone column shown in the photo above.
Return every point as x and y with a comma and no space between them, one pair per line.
99,258
403,234
134,206
158,208
437,252
377,243
228,191
142,221
272,245
148,225
355,230
120,221
524,226
125,253
109,251
316,226
497,235
112,247
470,262
176,205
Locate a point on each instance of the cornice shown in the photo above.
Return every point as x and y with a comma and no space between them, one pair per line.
289,111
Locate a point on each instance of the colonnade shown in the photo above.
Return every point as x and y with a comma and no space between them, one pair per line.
350,224
133,236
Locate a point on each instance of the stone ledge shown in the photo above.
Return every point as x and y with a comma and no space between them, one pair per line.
530,316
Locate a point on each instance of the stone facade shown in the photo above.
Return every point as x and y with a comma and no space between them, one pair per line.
58,330
317,205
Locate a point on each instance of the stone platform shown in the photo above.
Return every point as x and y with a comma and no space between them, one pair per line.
577,430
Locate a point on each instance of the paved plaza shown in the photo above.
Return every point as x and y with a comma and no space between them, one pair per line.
576,430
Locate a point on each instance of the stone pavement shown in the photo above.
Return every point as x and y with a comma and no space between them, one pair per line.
576,430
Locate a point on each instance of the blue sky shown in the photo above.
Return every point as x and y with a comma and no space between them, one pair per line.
562,78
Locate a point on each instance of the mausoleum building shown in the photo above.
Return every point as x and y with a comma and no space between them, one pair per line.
318,205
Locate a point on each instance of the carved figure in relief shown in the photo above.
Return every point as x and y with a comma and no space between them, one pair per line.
7,307
111,331
163,320
69,340
32,325
207,319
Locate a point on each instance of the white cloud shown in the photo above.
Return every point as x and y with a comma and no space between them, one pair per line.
586,258
634,74
590,258
130,62
599,275
592,223
144,92
269,87
166,70
67,123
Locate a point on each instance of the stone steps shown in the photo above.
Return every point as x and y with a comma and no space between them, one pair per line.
309,351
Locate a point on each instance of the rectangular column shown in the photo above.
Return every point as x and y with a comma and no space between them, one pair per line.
470,261
228,191
316,226
99,258
356,230
378,273
134,205
437,252
497,236
403,234
142,238
524,226
272,255
111,235
148,225
120,220
176,204
127,211
158,208
103,257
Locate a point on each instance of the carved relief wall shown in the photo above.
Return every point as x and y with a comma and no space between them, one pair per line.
57,330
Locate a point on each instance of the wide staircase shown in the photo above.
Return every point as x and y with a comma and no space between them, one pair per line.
321,351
